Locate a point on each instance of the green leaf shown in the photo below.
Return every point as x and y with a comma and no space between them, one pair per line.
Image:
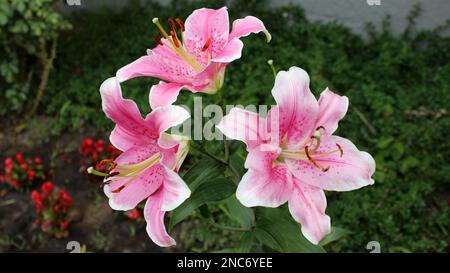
397,150
276,229
246,242
267,239
202,171
409,163
237,163
243,215
210,191
385,142
48,214
335,234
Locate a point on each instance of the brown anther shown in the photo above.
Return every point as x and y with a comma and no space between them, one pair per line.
340,149
111,175
105,161
174,38
180,24
158,39
112,166
207,44
320,127
118,189
173,27
313,161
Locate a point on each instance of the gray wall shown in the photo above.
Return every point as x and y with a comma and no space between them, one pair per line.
352,13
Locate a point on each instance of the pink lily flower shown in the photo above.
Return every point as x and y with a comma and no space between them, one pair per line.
147,168
294,156
192,56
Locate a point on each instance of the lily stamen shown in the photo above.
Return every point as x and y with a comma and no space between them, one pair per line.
340,149
313,161
177,45
174,39
180,24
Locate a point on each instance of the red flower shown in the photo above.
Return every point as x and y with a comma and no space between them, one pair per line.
65,198
134,214
94,156
88,150
30,174
99,145
47,187
2,178
8,169
64,224
37,160
24,166
37,199
19,157
87,142
15,183
8,161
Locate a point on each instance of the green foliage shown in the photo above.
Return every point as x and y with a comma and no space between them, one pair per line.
397,86
26,28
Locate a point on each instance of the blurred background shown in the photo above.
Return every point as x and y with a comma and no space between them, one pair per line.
391,58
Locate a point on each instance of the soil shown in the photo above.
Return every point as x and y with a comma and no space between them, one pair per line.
95,224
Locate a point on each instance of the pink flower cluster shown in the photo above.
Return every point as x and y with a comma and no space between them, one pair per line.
293,154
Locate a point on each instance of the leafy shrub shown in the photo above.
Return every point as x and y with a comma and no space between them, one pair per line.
28,34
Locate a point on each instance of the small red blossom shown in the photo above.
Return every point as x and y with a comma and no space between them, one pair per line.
47,187
134,214
64,224
65,198
30,174
8,161
37,160
19,157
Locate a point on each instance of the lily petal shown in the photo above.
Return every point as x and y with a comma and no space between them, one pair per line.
247,25
332,108
163,94
166,68
243,125
130,125
297,106
135,190
307,206
162,118
173,192
207,24
350,172
154,217
232,51
264,184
